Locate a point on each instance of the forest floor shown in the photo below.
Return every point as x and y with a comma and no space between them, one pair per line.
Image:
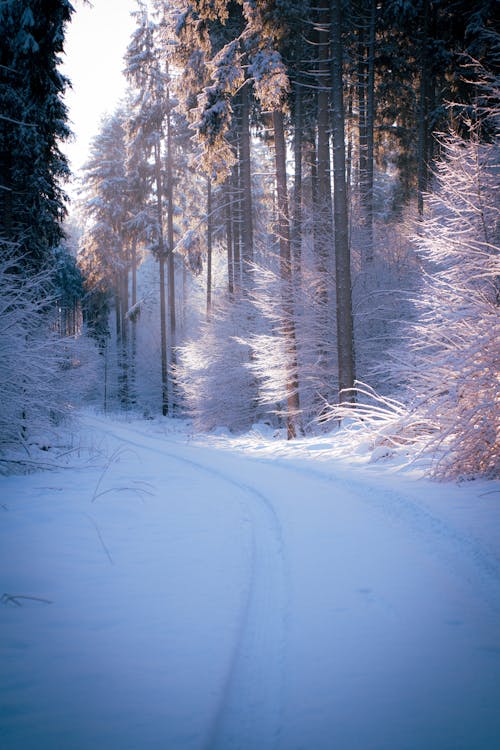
183,592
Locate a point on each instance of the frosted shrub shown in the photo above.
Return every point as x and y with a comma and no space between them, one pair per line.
448,365
455,353
37,366
212,371
314,350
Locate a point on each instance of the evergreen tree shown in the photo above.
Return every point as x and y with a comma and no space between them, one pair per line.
32,124
150,130
105,257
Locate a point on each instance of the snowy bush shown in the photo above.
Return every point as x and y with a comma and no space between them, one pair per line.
448,363
212,372
455,356
37,367
314,350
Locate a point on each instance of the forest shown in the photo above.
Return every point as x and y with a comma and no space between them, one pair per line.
292,218
249,369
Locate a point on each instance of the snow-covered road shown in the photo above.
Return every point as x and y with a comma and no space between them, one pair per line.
190,595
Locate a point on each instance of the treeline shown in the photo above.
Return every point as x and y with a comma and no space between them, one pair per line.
270,158
41,286
292,201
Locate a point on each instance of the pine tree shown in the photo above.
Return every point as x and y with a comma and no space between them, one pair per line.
147,132
105,257
32,124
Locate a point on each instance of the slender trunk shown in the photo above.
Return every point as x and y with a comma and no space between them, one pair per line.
324,192
370,120
184,295
366,100
163,339
311,161
423,109
133,332
118,337
229,239
105,394
118,316
161,259
324,218
318,236
124,386
170,243
345,344
297,187
361,86
349,140
292,385
236,215
209,246
5,192
246,185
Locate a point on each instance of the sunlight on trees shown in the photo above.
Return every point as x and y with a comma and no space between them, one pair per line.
272,212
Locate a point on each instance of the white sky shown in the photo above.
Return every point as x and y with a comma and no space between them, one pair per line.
96,41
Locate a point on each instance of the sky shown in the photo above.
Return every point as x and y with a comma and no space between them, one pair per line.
96,41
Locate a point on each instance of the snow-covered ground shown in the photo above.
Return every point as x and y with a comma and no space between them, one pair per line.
181,592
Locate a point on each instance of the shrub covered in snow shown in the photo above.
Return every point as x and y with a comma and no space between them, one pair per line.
448,364
212,370
37,365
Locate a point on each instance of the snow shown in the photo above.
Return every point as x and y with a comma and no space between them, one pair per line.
245,592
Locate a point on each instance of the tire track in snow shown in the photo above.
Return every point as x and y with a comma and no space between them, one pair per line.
449,544
250,708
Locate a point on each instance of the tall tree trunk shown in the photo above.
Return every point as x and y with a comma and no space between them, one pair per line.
345,344
292,385
133,331
118,334
124,384
366,117
323,172
209,246
324,217
370,121
237,225
362,76
422,142
229,238
297,187
170,242
311,160
5,191
161,260
350,139
246,184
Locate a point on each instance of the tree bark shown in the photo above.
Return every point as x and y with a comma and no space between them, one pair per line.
124,364
237,225
366,116
370,123
323,172
423,109
297,188
5,193
361,87
292,384
246,185
133,332
209,246
345,344
170,243
161,260
229,239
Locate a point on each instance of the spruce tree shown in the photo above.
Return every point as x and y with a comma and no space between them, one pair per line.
32,124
